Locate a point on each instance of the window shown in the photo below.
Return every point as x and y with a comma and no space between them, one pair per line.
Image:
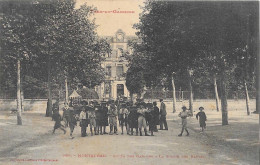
119,52
119,70
108,55
108,70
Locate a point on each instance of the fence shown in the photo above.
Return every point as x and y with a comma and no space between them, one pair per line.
185,95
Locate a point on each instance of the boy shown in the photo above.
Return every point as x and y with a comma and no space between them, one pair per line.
92,118
183,115
112,116
123,116
141,118
83,121
202,118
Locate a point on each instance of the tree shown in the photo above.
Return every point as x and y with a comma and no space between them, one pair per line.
179,35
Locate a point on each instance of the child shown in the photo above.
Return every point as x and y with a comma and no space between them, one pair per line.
83,121
92,118
183,115
202,118
141,118
122,117
112,115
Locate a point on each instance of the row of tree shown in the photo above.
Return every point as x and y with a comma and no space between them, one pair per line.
196,44
49,43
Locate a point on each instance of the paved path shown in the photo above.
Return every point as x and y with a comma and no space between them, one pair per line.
164,148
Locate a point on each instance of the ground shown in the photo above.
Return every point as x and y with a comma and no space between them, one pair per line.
33,142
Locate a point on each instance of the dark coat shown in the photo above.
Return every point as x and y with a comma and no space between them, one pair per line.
202,118
104,116
133,117
57,119
155,115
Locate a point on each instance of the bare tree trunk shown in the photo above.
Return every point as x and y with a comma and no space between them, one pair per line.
152,93
49,106
66,91
19,105
224,105
173,96
216,93
191,95
22,98
247,98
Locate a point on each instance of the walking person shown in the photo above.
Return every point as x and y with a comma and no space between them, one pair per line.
163,114
83,121
57,118
183,115
202,118
65,116
72,121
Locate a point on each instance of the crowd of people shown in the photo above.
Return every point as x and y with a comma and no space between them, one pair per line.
130,117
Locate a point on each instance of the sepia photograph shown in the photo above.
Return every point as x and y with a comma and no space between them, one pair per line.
129,82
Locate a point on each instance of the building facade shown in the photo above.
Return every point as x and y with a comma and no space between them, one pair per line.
115,66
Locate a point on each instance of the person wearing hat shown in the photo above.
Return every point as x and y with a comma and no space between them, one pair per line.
155,118
57,118
92,118
163,114
104,116
65,115
72,121
98,113
183,115
112,116
55,107
133,119
202,118
122,117
83,121
141,118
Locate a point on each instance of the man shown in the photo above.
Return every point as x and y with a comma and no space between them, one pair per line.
141,118
163,114
83,121
122,117
183,115
92,118
112,116
98,113
104,116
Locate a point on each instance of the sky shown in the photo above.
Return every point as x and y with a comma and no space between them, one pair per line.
109,23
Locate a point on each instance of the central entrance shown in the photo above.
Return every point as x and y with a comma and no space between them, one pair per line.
120,90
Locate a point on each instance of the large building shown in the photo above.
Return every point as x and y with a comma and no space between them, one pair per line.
115,66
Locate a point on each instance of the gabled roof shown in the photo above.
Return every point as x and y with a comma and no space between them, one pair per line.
74,95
